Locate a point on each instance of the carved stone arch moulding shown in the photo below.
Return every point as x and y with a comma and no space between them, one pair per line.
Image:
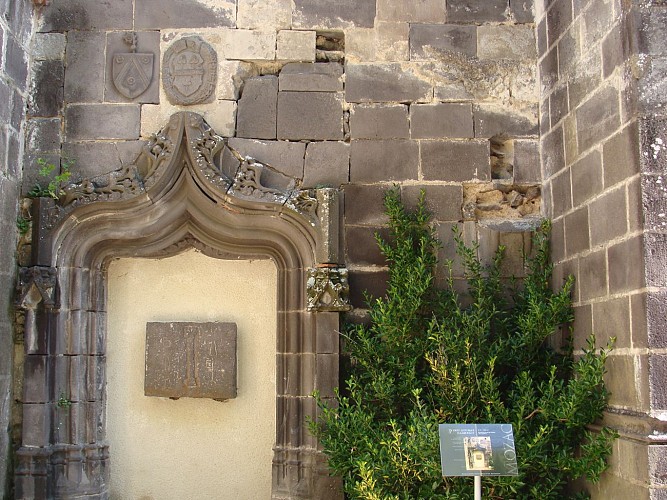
186,189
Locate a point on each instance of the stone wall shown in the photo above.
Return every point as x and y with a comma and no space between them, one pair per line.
602,131
15,30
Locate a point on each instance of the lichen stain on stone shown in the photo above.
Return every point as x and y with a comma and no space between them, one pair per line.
500,201
506,80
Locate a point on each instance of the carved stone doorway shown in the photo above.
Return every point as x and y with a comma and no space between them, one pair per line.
187,189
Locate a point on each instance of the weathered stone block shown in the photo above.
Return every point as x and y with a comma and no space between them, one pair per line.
620,369
527,162
287,157
494,119
576,232
428,11
365,205
656,259
46,96
256,117
506,42
84,78
443,202
66,15
625,261
598,118
523,11
456,161
220,115
362,248
433,121
43,135
91,158
569,50
553,155
319,77
360,45
426,38
385,83
48,46
379,122
609,216
339,14
295,45
160,14
260,14
570,139
585,77
592,275
561,193
363,283
654,311
385,160
391,41
146,43
586,178
611,318
549,71
653,85
5,97
249,45
16,62
476,11
196,360
231,77
102,121
310,115
36,424
558,104
327,163
657,375
559,17
653,138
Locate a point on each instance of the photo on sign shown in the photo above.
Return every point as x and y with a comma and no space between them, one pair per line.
478,453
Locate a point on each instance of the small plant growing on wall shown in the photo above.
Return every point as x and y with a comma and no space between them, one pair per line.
429,356
53,188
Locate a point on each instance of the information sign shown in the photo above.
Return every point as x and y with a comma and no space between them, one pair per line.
477,450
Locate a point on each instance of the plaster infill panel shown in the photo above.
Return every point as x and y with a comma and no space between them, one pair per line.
191,448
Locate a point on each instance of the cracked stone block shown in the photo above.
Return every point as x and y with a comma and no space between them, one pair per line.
318,77
379,122
426,38
231,77
102,121
263,14
287,157
295,46
495,119
256,116
91,158
386,83
310,115
84,62
147,43
249,45
160,14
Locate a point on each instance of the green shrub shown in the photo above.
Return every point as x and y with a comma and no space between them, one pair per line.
425,358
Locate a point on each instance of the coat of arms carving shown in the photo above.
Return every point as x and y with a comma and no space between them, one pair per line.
132,72
189,71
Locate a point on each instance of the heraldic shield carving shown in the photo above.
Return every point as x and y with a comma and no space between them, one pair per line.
132,73
189,71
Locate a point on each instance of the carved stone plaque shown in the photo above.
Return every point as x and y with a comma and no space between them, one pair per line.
132,73
195,360
189,71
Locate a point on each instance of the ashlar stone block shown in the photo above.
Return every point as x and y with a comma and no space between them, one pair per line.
338,14
147,42
249,45
262,14
506,42
196,360
433,121
310,115
327,163
160,14
455,161
85,63
386,83
295,45
379,122
256,116
476,11
220,115
231,76
287,157
425,11
102,121
319,77
425,38
384,160
66,15
48,46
